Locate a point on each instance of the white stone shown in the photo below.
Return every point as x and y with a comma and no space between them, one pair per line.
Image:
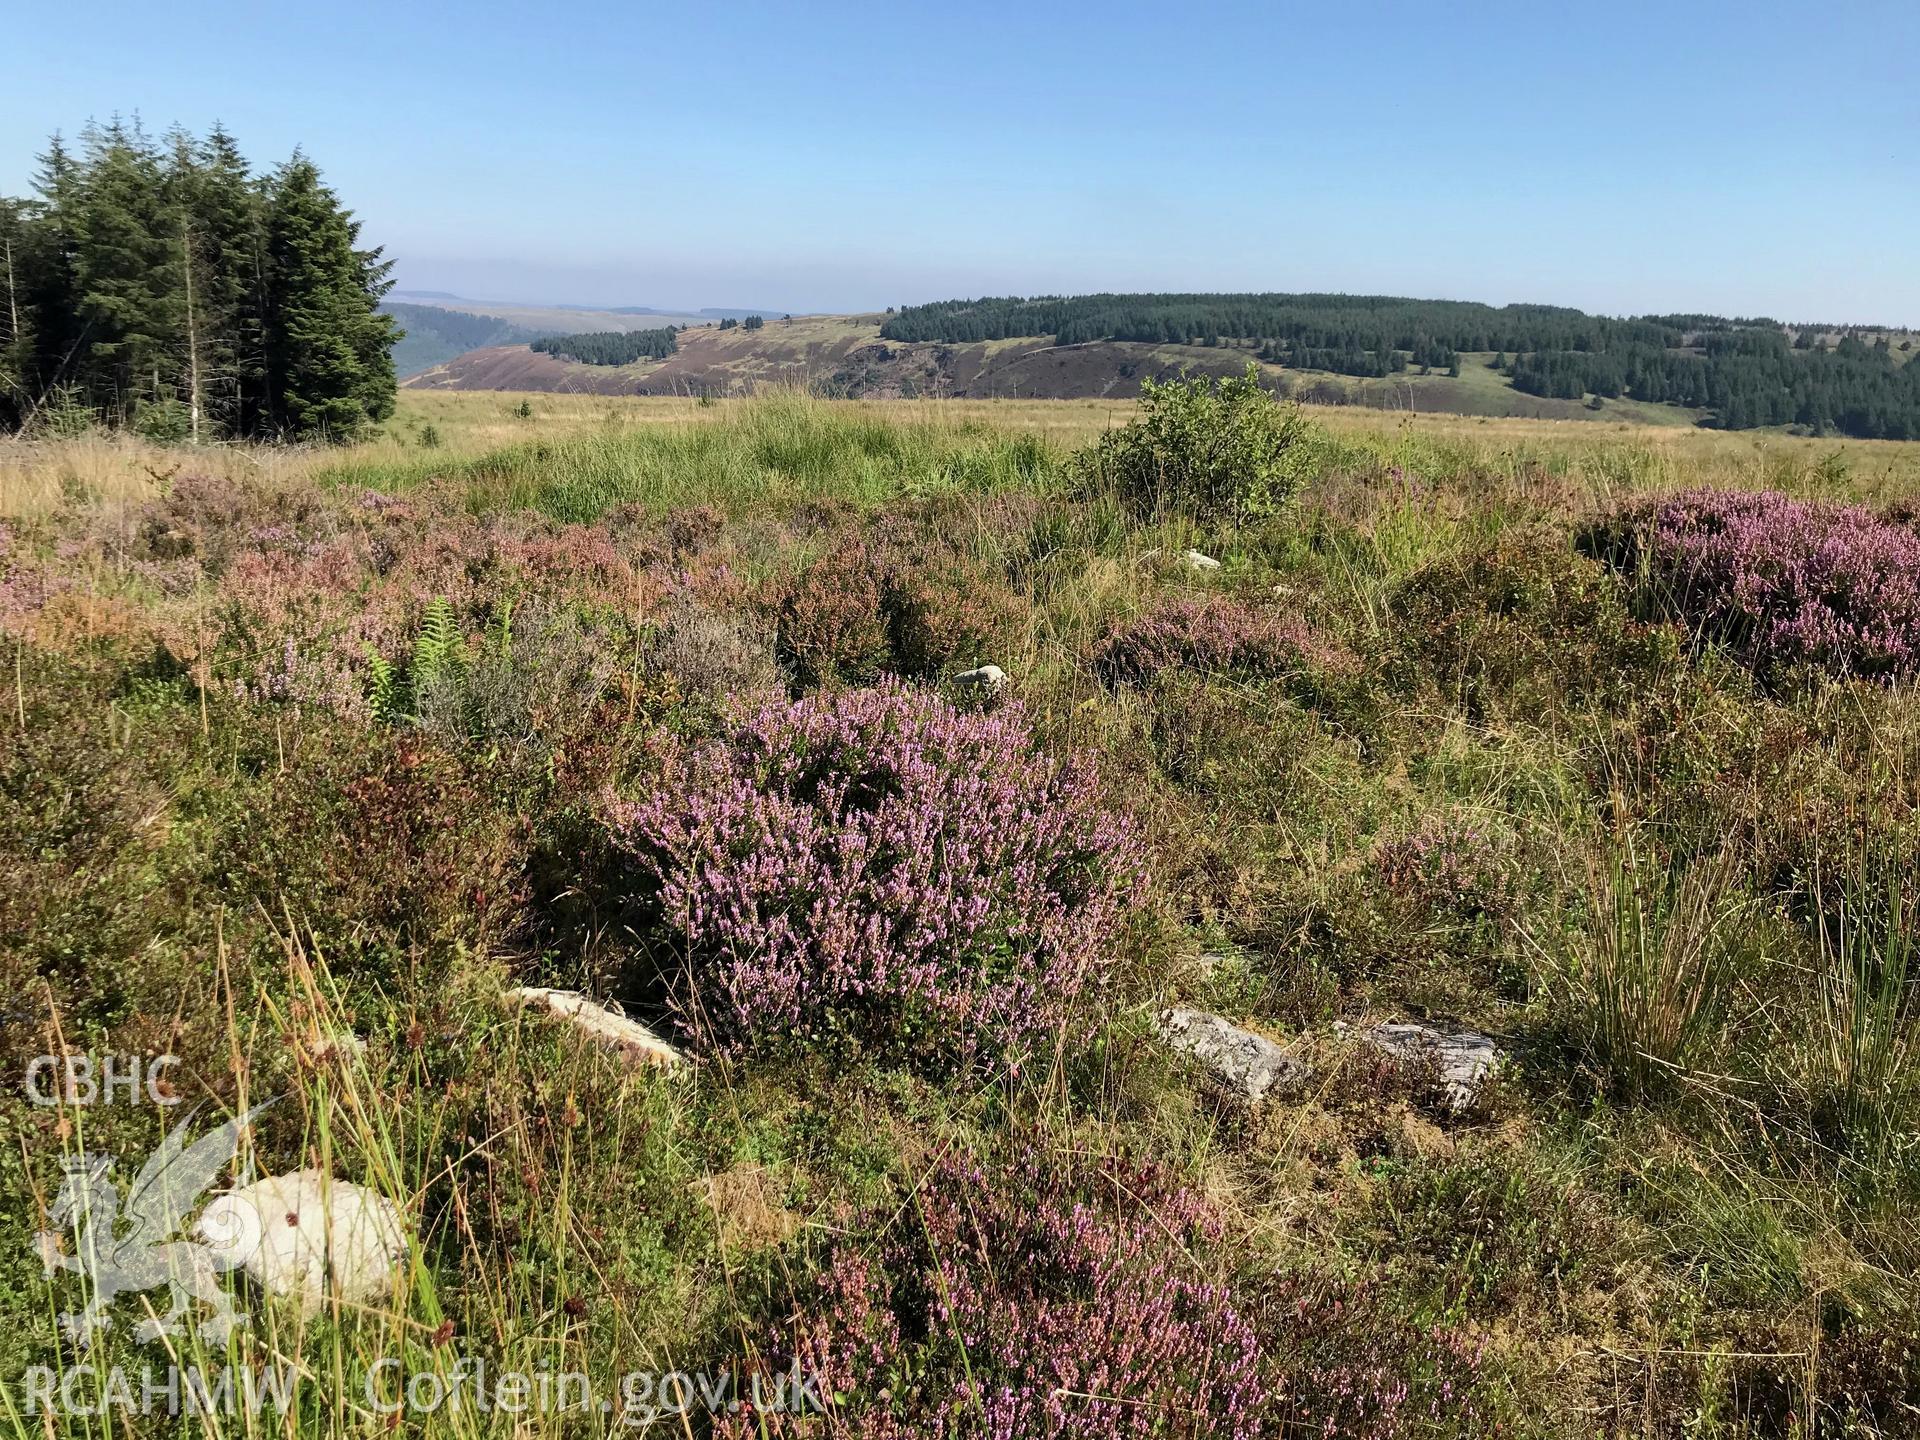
341,1045
987,677
1206,564
1465,1058
305,1235
629,1039
1247,1064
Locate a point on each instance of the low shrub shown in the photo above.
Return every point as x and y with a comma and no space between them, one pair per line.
1213,634
712,655
865,608
1037,1295
943,612
878,867
1222,450
1346,1358
1449,864
1521,623
380,845
828,620
1781,582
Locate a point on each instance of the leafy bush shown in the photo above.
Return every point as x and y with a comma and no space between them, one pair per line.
1781,582
1224,450
1041,1295
877,866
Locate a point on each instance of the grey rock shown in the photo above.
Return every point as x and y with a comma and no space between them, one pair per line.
1205,564
1465,1058
1246,1064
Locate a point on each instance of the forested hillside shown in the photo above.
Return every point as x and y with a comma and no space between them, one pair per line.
166,285
1743,372
613,347
432,334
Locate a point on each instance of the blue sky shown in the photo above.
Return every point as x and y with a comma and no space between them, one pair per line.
1739,158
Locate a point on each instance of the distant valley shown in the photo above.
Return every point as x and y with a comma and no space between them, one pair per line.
1543,362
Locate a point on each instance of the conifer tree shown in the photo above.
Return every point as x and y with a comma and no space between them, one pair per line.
329,352
125,272
16,311
222,209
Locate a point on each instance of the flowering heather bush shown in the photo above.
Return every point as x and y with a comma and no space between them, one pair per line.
1346,1360
1214,634
1035,1297
1783,582
878,865
1450,864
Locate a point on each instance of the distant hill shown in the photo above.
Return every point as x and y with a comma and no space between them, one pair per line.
435,334
1540,361
845,355
1743,373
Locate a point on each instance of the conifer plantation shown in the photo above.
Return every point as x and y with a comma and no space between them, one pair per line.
169,287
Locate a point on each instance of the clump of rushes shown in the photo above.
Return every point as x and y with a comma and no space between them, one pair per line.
1866,965
1214,635
878,868
1781,582
1655,959
1035,1294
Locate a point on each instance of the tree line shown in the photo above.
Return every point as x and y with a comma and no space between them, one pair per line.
1745,379
611,347
1316,322
1744,372
166,285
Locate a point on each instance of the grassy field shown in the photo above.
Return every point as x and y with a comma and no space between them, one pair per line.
312,754
445,431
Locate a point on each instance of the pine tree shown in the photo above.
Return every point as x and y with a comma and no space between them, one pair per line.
126,272
50,299
223,227
329,349
16,312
